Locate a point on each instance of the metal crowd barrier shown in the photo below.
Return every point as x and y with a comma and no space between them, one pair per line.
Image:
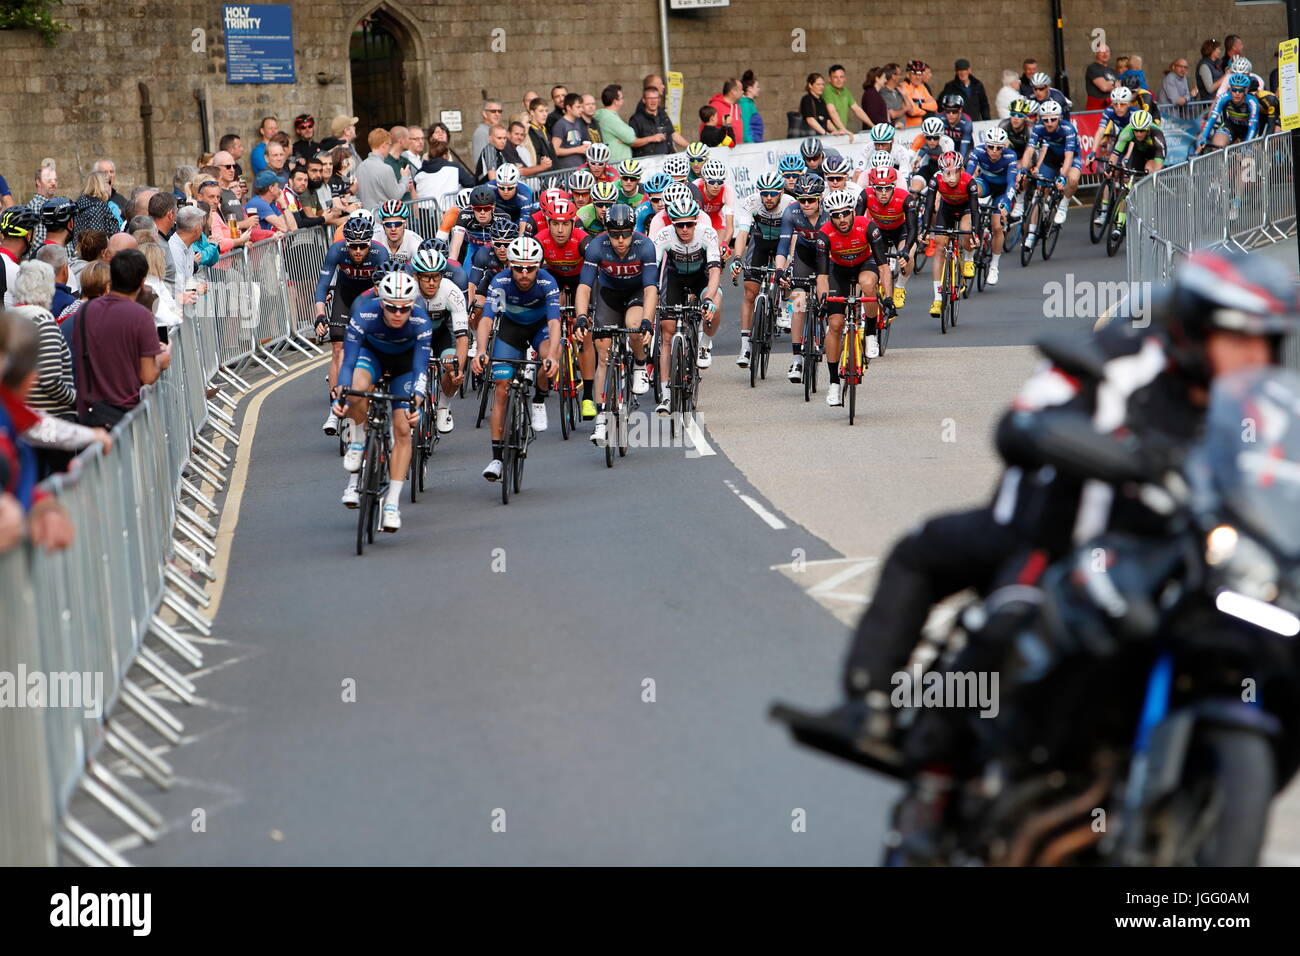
80,617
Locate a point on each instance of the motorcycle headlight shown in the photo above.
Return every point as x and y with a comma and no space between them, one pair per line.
1241,563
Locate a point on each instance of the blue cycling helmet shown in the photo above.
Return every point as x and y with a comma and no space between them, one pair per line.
1239,81
358,229
438,245
384,268
502,230
656,184
790,163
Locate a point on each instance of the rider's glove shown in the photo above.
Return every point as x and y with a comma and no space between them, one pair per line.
780,275
647,325
581,323
1060,182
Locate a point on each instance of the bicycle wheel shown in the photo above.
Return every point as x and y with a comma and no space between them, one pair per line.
851,367
764,351
945,300
415,471
1101,204
1028,224
1115,239
520,442
486,387
379,484
363,508
508,453
566,378
956,300
612,371
1050,237
624,411
755,337
1011,232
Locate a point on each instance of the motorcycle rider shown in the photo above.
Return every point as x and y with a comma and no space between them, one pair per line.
1224,312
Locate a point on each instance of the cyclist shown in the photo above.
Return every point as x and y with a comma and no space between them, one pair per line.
956,124
18,224
675,192
488,261
719,200
891,209
993,164
697,154
1018,126
760,213
1141,147
1114,118
527,300
678,168
814,154
836,172
592,216
689,264
445,306
598,164
798,247
1270,109
629,183
347,271
389,335
1054,152
850,250
654,200
535,218
791,168
513,198
931,143
1044,91
885,142
400,242
475,223
581,184
563,253
619,283
954,201
455,271
1234,117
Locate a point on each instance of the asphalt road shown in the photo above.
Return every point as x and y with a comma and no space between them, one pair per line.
501,654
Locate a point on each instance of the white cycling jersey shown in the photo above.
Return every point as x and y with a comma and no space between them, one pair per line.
751,210
406,249
687,258
660,219
903,159
447,304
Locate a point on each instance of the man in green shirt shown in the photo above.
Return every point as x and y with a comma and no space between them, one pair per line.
620,137
846,104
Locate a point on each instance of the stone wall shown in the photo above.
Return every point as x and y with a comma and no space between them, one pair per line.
79,100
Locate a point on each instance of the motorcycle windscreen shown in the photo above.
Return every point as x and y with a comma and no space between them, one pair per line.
1252,452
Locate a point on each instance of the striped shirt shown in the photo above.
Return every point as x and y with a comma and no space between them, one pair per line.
54,392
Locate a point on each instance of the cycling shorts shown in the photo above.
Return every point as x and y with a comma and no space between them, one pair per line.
611,305
512,342
950,216
338,313
397,366
841,280
758,253
677,287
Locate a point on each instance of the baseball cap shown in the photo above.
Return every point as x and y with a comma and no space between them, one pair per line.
264,179
962,64
339,123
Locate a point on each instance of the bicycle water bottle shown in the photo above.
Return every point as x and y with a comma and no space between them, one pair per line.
789,315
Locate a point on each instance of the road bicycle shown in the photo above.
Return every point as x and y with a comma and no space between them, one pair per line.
483,383
853,359
425,436
683,351
372,485
568,383
983,255
1040,208
767,303
1114,224
619,400
518,432
951,283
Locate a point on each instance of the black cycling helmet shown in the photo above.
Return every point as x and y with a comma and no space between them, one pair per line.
810,184
620,216
439,245
810,148
1226,291
384,268
57,212
17,222
358,229
952,101
484,195
502,230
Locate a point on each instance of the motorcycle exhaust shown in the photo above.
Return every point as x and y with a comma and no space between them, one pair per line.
1039,825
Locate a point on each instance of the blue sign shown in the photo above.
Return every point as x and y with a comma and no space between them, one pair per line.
259,43
1180,138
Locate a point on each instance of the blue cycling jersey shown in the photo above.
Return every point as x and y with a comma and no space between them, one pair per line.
459,276
1226,112
1064,139
996,171
644,213
348,278
368,332
476,233
798,230
604,268
963,134
518,205
484,268
538,303
1111,122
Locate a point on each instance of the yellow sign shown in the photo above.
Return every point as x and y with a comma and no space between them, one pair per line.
674,104
1287,93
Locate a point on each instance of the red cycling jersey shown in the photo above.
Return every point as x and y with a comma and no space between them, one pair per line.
891,215
610,174
714,206
563,260
954,194
853,248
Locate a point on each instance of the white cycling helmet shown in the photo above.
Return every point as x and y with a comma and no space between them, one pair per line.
1121,95
507,174
597,153
882,133
581,181
714,171
1239,64
398,286
462,197
996,136
838,201
1040,79
1049,108
677,165
881,160
675,192
524,251
933,126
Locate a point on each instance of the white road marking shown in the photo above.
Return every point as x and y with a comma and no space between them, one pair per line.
772,521
699,444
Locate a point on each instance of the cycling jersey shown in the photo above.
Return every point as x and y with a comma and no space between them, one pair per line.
861,246
718,207
963,134
1064,139
895,218
630,199
406,249
1055,94
660,219
604,268
953,200
447,306
609,175
1239,119
563,262
799,234
402,353
484,268
589,222
539,303
643,214
1018,139
1144,150
755,218
995,177
348,278
687,258
476,233
517,206
1111,122
902,158
930,154
1270,111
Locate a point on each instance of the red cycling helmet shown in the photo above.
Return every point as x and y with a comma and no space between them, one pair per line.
882,176
949,161
560,209
552,194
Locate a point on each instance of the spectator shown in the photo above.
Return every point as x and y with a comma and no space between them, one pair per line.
889,93
558,96
94,283
138,204
1209,75
109,169
751,121
15,241
873,104
47,185
266,193
375,181
233,144
569,135
491,117
655,135
518,135
53,392
117,243
614,132
918,101
538,136
189,231
95,208
415,145
1133,72
1120,65
115,348
528,99
267,130
58,215
813,109
396,158
730,116
304,128
231,204
162,210
47,522
6,195
966,85
56,257
91,244
1232,47
158,292
712,133
438,175
1009,92
343,175
1099,79
181,184
1027,71
277,155
317,196
492,155
841,99
218,226
343,133
588,116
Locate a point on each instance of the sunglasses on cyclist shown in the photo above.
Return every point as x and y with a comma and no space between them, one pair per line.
582,192
769,193
715,182
397,309
485,208
358,245
791,175
630,179
685,224
394,223
836,179
620,233
841,213
807,200
524,270
602,205
928,136
503,188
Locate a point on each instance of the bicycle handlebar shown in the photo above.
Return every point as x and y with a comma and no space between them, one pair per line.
376,396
